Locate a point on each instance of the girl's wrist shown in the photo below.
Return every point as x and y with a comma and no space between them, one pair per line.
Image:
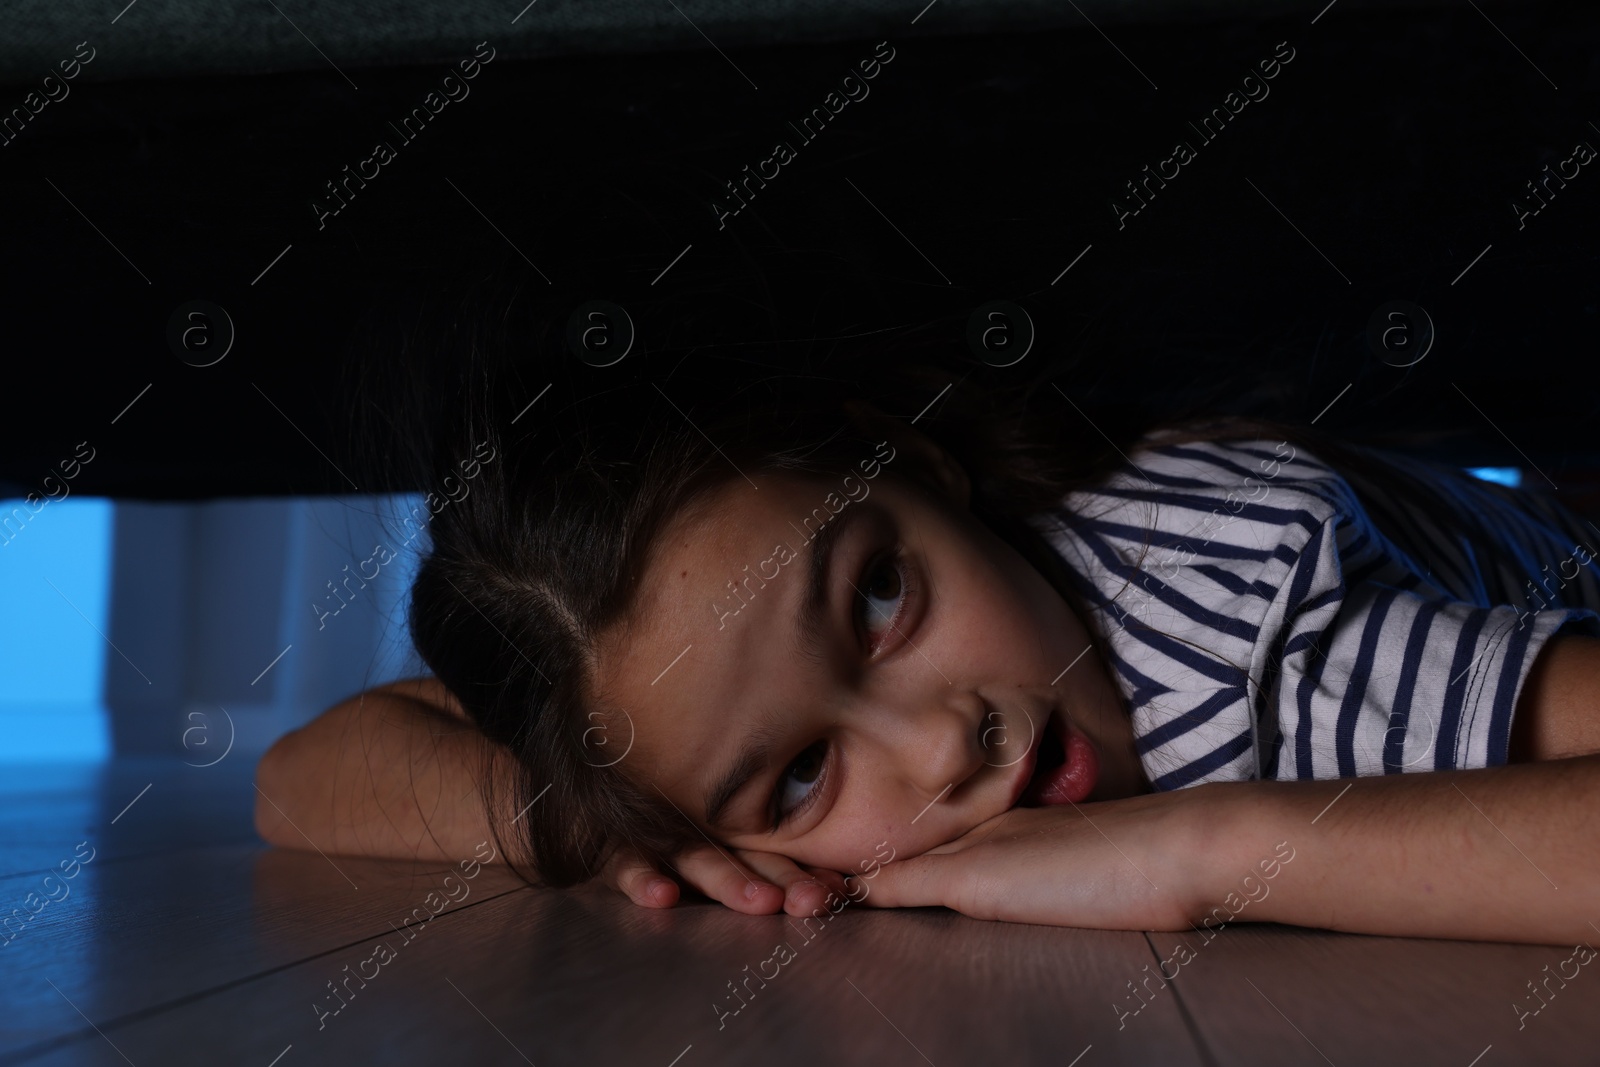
1237,849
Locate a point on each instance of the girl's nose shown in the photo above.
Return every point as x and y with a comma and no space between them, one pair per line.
939,743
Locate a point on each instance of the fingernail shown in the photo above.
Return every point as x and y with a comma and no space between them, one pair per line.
657,889
752,888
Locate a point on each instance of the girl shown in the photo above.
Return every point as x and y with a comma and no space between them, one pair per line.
759,632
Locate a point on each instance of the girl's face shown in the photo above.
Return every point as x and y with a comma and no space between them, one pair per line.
899,705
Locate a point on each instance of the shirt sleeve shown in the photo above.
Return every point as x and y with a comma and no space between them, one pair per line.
1372,670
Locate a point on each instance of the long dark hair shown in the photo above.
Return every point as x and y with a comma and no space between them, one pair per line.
544,552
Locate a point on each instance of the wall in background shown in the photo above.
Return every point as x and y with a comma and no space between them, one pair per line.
55,584
198,629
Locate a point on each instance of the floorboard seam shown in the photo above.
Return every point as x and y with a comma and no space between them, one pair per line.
1206,1056
28,1052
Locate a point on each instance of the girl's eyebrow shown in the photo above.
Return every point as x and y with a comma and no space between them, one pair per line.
814,605
757,747
752,758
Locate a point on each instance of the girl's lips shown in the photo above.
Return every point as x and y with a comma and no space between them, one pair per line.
1069,781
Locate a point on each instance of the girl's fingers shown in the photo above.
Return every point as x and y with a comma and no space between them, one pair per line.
722,877
834,880
806,889
641,883
756,883
908,883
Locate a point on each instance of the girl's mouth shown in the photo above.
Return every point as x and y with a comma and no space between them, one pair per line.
1066,769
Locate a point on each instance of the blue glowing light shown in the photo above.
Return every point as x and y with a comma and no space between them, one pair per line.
1511,476
55,580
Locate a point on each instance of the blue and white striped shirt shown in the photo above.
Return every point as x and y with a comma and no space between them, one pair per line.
1265,621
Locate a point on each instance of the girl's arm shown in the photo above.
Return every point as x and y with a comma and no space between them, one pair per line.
395,772
1499,854
1506,853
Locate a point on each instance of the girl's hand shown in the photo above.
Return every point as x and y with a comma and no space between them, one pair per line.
1133,864
727,875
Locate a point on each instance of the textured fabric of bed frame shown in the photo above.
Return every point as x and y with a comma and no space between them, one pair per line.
179,38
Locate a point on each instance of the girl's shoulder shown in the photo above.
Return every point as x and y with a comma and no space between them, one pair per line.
1173,486
1226,464
1469,539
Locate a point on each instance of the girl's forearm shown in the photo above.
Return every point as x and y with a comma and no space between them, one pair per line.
1507,853
381,774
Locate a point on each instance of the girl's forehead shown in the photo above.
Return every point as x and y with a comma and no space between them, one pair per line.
721,527
703,548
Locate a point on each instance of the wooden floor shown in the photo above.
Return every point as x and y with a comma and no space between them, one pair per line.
184,940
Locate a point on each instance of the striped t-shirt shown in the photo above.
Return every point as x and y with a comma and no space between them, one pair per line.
1263,620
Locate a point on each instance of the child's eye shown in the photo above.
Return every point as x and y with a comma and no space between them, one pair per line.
882,592
881,596
807,769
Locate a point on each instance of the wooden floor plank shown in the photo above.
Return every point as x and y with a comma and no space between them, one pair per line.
153,930
124,808
1279,995
184,940
582,976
